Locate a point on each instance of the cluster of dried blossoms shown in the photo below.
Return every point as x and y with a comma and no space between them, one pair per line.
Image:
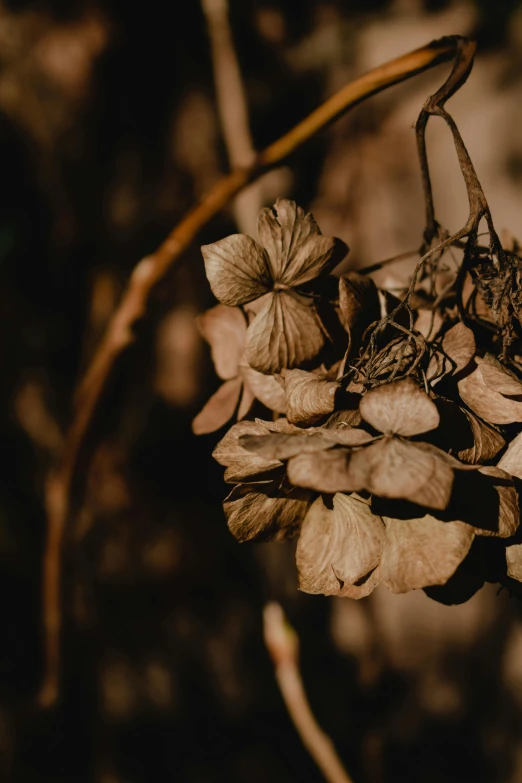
389,439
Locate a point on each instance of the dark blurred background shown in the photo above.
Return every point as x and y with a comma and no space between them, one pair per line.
109,132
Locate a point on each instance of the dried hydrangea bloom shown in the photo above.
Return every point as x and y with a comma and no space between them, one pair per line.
287,330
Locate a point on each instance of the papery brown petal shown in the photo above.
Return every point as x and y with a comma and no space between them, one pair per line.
392,468
224,328
219,409
507,518
285,334
297,250
281,228
363,540
514,561
308,397
325,471
280,446
339,547
511,461
240,463
359,303
319,544
422,552
262,512
363,587
498,378
237,269
347,436
280,425
349,417
459,345
487,441
486,403
265,388
247,400
399,407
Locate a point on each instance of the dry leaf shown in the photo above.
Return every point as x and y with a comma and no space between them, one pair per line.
237,269
308,397
224,328
241,464
486,403
399,407
219,409
422,552
285,333
393,468
262,512
511,461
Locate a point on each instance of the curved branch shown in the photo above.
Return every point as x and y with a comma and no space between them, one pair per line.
147,274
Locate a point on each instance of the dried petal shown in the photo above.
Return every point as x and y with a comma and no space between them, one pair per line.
338,545
487,441
247,399
422,552
281,446
498,378
298,252
511,461
285,334
363,587
359,303
458,349
399,407
325,471
237,269
363,540
486,403
219,409
393,468
242,464
308,396
264,512
319,544
514,561
265,388
224,328
505,518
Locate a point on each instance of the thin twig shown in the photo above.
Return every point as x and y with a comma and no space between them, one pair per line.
283,646
146,275
233,108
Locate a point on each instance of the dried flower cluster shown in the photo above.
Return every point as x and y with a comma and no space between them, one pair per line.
390,432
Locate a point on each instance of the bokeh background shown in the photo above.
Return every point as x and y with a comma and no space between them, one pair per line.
109,132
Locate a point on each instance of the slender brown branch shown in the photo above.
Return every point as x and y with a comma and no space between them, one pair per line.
145,277
283,646
232,107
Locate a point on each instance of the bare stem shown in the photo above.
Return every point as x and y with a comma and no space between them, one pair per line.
283,646
146,275
232,108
